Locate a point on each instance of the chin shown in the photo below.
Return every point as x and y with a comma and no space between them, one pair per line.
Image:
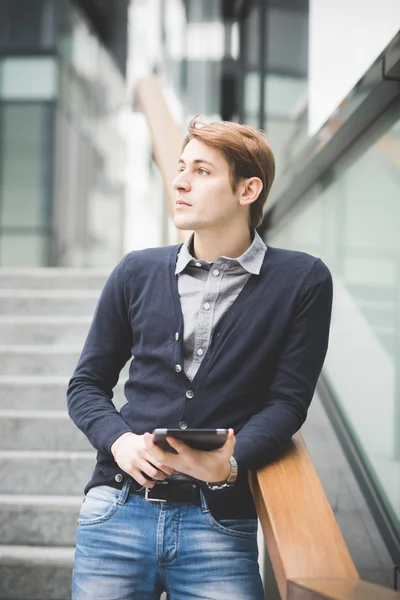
183,224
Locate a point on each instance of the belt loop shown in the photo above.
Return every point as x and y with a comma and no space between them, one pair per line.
204,507
124,492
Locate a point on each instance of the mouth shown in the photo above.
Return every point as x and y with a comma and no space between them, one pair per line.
181,203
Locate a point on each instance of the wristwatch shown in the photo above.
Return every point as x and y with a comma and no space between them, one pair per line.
230,480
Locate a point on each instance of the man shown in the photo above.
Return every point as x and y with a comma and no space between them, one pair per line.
222,332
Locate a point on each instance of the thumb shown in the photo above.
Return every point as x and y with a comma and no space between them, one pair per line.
230,440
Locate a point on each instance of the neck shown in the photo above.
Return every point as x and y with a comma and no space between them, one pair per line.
209,245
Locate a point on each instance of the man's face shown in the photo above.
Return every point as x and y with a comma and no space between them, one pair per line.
204,197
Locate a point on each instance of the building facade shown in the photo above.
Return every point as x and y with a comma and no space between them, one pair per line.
62,85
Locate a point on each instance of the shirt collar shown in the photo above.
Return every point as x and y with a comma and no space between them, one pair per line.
251,260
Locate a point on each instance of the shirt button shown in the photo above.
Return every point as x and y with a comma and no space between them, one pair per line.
198,264
190,394
118,478
178,368
215,272
200,351
177,336
183,425
206,306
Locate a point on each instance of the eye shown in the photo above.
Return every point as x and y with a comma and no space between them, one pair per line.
203,172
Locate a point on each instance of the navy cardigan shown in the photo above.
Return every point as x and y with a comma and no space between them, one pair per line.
258,375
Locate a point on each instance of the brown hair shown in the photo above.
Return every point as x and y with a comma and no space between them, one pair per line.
246,151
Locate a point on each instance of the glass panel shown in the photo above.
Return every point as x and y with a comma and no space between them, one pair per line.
28,79
200,11
287,41
28,23
251,98
286,100
283,94
354,227
24,250
251,32
286,82
26,165
203,96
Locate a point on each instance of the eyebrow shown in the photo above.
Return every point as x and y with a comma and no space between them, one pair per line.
197,161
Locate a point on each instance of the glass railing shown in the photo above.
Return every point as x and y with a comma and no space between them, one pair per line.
354,226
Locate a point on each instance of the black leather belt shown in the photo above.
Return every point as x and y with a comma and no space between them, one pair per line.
170,492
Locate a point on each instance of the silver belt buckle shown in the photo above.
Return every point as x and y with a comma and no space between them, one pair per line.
146,496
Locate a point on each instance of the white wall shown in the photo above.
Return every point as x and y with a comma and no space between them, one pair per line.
346,36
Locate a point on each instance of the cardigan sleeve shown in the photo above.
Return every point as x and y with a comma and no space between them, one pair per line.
266,434
105,352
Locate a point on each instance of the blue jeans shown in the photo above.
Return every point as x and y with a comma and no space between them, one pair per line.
130,549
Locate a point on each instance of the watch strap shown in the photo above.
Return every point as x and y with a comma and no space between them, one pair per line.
230,480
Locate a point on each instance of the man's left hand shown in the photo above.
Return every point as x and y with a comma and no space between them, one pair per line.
206,465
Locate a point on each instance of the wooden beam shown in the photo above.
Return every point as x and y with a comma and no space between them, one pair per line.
166,137
300,530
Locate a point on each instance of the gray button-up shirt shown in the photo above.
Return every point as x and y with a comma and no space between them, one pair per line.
207,290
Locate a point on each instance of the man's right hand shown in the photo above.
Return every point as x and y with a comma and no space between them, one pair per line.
130,453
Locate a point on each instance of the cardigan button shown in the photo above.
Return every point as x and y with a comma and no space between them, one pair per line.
190,394
178,368
118,478
183,425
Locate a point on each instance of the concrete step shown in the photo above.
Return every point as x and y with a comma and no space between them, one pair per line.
41,472
48,302
39,520
41,360
52,278
40,430
34,573
44,330
42,392
38,360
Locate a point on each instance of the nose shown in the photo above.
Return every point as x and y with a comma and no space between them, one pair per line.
181,182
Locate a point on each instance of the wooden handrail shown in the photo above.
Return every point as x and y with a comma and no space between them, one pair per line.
300,530
308,553
165,135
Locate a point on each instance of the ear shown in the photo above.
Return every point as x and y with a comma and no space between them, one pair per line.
250,190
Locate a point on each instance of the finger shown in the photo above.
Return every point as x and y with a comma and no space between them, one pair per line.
179,446
156,456
152,472
161,467
230,440
140,477
152,448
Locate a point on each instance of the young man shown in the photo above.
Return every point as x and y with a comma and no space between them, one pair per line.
222,332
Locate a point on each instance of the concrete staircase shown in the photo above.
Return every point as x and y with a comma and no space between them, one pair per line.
45,461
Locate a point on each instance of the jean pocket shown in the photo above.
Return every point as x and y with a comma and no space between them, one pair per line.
243,528
99,504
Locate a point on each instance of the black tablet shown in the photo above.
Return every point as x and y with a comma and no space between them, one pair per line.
200,439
